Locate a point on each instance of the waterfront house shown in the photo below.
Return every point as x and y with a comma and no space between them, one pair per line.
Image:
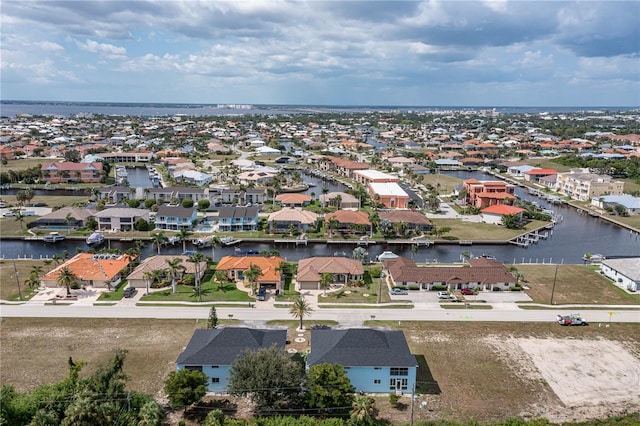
341,166
494,214
348,222
257,177
376,361
232,219
193,177
368,176
91,269
180,193
341,200
625,273
235,267
628,203
120,218
483,274
116,194
293,199
389,194
488,193
343,270
65,218
283,220
159,262
535,175
581,185
213,351
413,220
68,172
175,218
254,195
128,157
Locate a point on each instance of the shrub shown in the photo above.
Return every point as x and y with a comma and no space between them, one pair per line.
393,399
516,288
187,203
203,204
189,280
438,287
148,203
375,272
414,287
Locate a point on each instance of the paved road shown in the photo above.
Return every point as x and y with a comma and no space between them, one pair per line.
351,317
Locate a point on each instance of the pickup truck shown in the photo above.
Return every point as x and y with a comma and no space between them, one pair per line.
571,319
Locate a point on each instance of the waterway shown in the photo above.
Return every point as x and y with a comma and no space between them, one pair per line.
572,237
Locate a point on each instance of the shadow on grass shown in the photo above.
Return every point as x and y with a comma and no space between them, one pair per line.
425,381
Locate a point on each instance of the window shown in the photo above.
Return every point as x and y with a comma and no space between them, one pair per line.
398,384
215,380
399,371
376,382
193,367
215,366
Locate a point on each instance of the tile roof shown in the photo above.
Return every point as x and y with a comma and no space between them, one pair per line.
267,265
293,215
160,262
348,216
292,198
222,346
360,347
502,209
89,267
311,269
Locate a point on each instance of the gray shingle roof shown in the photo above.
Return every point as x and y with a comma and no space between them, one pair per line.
360,347
222,346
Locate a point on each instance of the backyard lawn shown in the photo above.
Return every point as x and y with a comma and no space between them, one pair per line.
474,231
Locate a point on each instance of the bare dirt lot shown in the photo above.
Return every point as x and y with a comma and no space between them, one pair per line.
481,371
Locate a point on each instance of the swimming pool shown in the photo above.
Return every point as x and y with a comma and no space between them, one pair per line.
204,228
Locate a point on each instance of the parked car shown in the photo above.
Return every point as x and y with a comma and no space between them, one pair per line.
467,292
129,292
39,204
9,214
3,204
262,293
398,292
445,295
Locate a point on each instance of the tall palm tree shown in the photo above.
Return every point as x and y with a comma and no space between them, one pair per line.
252,274
68,218
300,309
197,258
66,278
37,270
326,279
222,278
184,236
33,281
215,242
158,239
20,218
175,270
148,278
364,410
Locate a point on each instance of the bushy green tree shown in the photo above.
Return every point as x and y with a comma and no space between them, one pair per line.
184,387
204,204
187,203
329,388
212,321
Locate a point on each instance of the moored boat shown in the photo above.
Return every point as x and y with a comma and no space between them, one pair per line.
53,237
95,238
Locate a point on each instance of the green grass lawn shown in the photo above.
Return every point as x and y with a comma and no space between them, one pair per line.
466,231
211,292
26,163
114,295
351,295
444,183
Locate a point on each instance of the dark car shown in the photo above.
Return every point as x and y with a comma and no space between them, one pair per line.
129,292
39,204
467,292
262,293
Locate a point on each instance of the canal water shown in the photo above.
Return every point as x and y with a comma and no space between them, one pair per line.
573,236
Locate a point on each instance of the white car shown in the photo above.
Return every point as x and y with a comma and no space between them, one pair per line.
9,214
445,295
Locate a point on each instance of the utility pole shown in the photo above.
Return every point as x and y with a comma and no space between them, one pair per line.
413,399
553,289
380,287
17,280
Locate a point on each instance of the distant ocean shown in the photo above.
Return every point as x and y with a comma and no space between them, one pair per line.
67,109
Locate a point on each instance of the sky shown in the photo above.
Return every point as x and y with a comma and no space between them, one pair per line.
418,53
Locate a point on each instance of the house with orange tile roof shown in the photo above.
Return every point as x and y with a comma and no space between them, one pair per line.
488,193
91,269
342,270
349,222
235,267
493,214
341,166
69,172
534,175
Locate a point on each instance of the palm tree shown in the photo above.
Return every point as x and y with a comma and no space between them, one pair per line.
221,277
158,239
326,279
197,258
183,236
20,218
252,274
66,278
300,309
33,281
56,258
332,224
68,218
37,270
364,410
215,242
148,278
175,270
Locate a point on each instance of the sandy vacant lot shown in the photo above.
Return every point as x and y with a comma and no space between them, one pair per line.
590,377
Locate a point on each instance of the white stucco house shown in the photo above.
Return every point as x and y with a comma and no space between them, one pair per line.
625,273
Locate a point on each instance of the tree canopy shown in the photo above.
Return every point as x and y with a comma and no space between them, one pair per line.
184,387
329,388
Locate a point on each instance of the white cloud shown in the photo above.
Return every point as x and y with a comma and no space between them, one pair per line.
103,49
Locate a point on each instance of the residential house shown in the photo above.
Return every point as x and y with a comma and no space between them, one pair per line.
120,218
518,170
389,194
116,194
376,361
341,200
293,199
283,221
230,195
180,193
254,195
348,221
91,269
68,172
494,214
231,219
194,177
483,274
236,266
257,177
159,262
342,269
581,185
175,218
213,351
128,157
413,220
488,193
341,166
625,273
628,203
64,218
536,175
368,176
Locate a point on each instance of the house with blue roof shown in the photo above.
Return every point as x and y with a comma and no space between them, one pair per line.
376,361
213,351
628,202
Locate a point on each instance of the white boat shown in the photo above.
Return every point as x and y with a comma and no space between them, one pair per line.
95,238
53,237
173,239
386,255
122,171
